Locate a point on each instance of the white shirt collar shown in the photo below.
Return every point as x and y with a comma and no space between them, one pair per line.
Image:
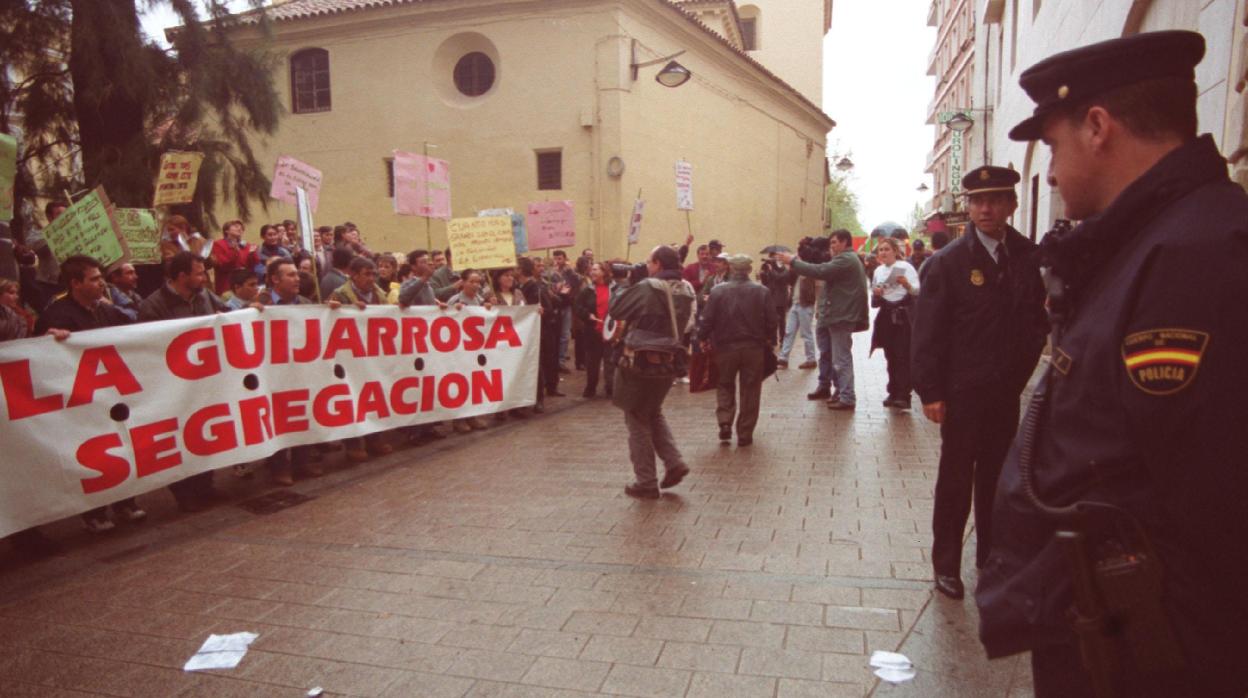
989,243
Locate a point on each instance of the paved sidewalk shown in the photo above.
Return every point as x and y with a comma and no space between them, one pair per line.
510,563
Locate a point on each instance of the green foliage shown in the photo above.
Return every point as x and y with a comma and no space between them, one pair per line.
842,206
97,101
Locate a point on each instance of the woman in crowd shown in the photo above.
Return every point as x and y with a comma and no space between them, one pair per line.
269,250
387,271
591,310
505,291
15,321
894,284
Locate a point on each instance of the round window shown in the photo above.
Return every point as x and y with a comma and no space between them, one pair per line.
474,74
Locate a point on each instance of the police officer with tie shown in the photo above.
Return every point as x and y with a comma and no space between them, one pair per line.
979,329
1120,546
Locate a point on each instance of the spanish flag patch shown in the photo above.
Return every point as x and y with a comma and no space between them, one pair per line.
1163,362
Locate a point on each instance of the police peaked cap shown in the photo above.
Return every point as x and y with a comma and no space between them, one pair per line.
989,178
1071,77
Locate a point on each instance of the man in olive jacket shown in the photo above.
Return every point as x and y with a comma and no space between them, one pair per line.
842,312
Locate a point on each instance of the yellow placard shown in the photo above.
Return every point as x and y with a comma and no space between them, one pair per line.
179,173
482,243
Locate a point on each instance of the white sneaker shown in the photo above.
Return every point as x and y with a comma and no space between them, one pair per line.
132,515
684,380
98,525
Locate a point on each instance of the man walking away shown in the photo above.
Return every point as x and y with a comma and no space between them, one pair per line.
740,324
656,309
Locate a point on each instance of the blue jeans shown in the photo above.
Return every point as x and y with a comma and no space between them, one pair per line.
800,319
836,362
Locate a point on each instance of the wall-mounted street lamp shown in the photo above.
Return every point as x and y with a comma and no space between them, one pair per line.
672,75
845,164
922,187
960,122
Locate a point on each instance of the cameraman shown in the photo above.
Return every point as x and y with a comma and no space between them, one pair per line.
775,276
656,311
842,312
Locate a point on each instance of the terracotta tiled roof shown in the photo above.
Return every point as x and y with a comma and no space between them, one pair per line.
306,9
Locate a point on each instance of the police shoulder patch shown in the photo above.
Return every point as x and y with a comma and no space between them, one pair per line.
1164,361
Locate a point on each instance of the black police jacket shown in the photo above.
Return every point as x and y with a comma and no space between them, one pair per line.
1146,410
977,326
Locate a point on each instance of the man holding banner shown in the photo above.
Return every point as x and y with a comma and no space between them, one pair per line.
184,295
83,308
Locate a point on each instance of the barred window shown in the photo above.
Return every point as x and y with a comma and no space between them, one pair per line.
309,81
550,170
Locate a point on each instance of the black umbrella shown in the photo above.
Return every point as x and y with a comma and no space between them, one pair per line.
770,249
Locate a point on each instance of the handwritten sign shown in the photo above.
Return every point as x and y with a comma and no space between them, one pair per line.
290,174
422,186
179,173
141,232
551,224
481,243
8,174
518,229
88,227
634,224
684,186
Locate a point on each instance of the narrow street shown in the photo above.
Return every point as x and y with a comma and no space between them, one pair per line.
510,563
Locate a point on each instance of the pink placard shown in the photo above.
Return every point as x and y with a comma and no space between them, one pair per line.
291,174
551,224
422,186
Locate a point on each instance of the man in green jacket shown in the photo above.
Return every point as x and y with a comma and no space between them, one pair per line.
842,312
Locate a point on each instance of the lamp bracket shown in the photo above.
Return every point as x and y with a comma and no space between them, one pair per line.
635,66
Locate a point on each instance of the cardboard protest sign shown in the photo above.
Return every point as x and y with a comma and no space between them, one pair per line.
305,218
88,227
551,224
518,229
141,232
481,243
178,176
290,174
8,174
422,186
634,223
684,186
189,410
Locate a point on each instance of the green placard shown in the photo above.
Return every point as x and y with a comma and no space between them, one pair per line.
88,227
141,233
8,172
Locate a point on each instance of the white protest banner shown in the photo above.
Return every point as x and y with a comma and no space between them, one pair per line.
305,218
684,186
290,174
112,413
634,223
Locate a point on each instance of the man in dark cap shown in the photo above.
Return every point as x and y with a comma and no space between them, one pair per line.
979,329
1129,473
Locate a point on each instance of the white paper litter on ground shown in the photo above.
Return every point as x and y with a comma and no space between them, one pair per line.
891,666
221,652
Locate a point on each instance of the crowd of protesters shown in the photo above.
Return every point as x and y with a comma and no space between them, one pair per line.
199,275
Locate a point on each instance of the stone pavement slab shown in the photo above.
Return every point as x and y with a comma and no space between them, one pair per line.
510,563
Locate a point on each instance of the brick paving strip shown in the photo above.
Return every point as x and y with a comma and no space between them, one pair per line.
510,563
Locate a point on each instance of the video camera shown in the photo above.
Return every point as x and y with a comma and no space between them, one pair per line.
815,250
632,272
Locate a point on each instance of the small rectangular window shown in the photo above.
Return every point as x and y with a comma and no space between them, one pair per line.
749,34
550,170
389,163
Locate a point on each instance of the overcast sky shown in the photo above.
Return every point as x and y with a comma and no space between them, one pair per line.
876,87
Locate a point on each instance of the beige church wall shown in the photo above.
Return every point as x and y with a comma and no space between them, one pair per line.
755,179
388,94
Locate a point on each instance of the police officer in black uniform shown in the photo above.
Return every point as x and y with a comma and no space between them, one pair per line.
1124,501
979,329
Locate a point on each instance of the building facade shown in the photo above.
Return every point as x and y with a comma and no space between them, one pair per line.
1014,34
532,101
952,63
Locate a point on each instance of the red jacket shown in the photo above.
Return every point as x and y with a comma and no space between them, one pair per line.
226,258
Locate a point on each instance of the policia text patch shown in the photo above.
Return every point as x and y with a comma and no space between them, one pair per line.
1162,362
